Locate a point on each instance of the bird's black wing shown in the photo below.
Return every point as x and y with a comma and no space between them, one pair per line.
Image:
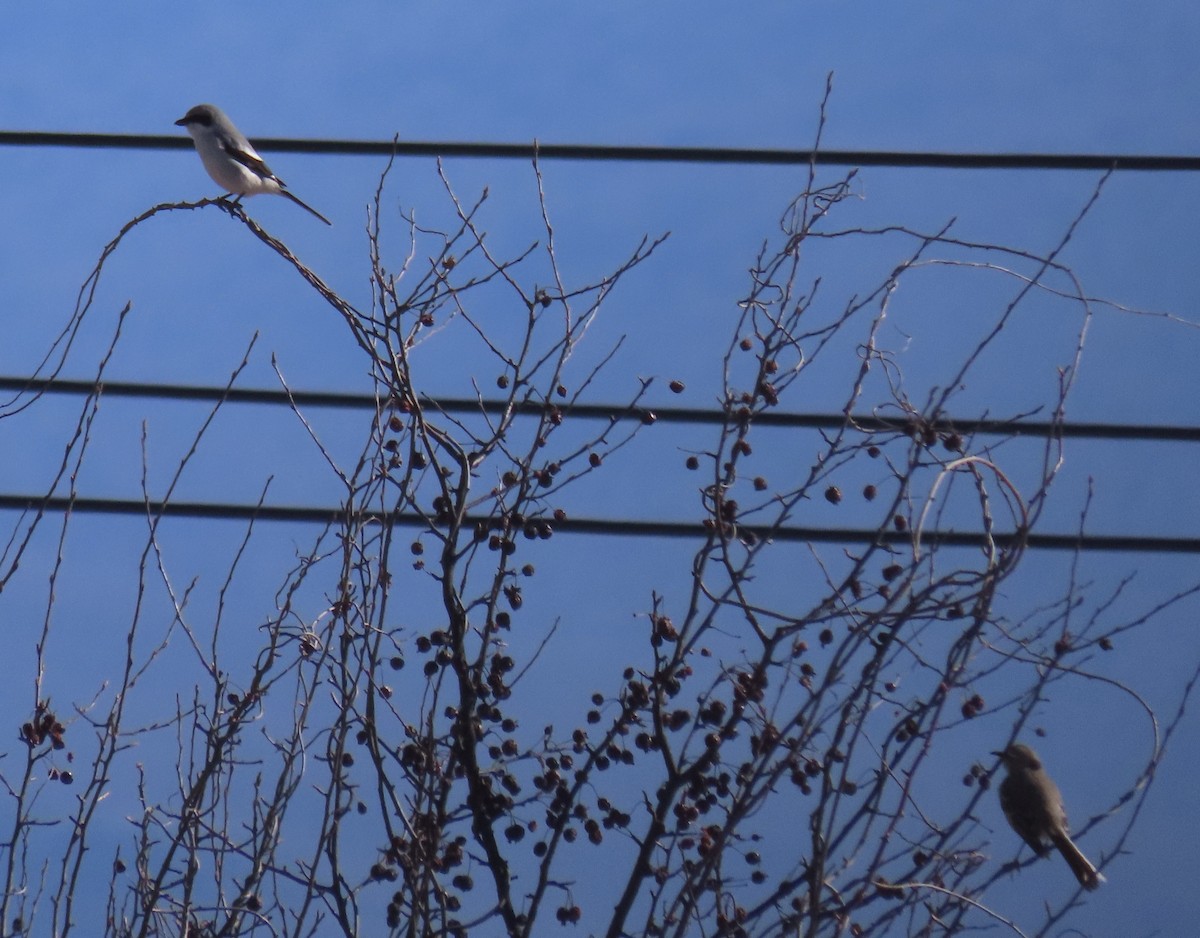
252,161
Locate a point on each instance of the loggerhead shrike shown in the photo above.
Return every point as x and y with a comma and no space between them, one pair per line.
230,159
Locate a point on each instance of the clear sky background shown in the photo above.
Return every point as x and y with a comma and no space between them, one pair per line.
1069,77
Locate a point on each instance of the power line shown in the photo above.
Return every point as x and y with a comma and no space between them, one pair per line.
597,526
642,154
607,412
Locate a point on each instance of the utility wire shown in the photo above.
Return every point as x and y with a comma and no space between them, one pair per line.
607,412
717,155
641,154
599,526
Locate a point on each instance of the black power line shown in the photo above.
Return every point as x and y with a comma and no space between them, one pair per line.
651,154
598,526
608,412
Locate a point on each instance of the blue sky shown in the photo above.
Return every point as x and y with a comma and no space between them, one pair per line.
1069,77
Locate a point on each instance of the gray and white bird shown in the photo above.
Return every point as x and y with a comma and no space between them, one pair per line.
1034,808
230,159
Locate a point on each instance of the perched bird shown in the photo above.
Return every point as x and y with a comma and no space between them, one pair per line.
1033,806
230,159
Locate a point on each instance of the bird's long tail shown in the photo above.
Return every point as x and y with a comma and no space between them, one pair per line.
1089,877
305,205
